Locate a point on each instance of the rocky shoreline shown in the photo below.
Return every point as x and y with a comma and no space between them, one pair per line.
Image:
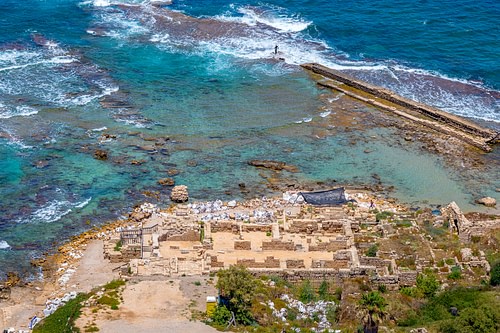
60,268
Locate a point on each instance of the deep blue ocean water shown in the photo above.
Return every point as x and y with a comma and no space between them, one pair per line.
202,76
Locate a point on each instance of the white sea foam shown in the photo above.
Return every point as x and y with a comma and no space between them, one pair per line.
83,203
307,120
280,22
101,3
100,129
336,98
19,111
4,245
53,210
133,122
325,114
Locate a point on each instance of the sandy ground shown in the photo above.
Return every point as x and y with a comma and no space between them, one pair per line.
157,305
25,302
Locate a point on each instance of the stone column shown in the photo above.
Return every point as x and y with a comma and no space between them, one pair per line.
276,230
208,230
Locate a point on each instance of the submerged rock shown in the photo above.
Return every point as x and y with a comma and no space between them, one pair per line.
166,181
273,165
101,154
487,201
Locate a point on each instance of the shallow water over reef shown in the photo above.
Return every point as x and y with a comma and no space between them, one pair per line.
193,91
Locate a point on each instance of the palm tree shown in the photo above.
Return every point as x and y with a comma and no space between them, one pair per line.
372,310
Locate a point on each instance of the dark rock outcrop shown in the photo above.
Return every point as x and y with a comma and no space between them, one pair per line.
273,165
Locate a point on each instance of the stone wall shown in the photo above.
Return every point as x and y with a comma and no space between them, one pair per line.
390,96
214,263
331,246
269,262
256,227
188,236
224,226
126,253
332,264
243,245
277,245
303,226
373,261
407,278
331,227
292,263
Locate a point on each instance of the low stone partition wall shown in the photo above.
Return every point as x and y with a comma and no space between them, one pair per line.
303,226
299,275
188,236
292,263
373,261
224,226
331,246
390,281
214,263
333,264
408,278
277,245
331,227
126,253
256,227
269,262
243,245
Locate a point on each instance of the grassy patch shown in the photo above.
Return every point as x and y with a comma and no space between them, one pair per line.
108,300
383,215
118,246
115,284
436,312
403,223
63,319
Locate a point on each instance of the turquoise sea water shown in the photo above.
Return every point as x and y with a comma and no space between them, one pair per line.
200,78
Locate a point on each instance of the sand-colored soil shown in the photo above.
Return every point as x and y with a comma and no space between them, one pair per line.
158,305
25,302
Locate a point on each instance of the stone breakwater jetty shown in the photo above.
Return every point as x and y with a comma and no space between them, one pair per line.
420,113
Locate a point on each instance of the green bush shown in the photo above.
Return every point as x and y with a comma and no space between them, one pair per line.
221,315
323,291
118,246
382,288
427,284
238,285
472,320
456,273
409,291
306,292
372,251
495,274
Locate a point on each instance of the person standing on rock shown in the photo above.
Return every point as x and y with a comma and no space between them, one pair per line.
276,49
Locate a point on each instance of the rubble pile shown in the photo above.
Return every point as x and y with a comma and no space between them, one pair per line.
52,305
317,309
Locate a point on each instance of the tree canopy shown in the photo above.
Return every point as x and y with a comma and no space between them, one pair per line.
237,285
